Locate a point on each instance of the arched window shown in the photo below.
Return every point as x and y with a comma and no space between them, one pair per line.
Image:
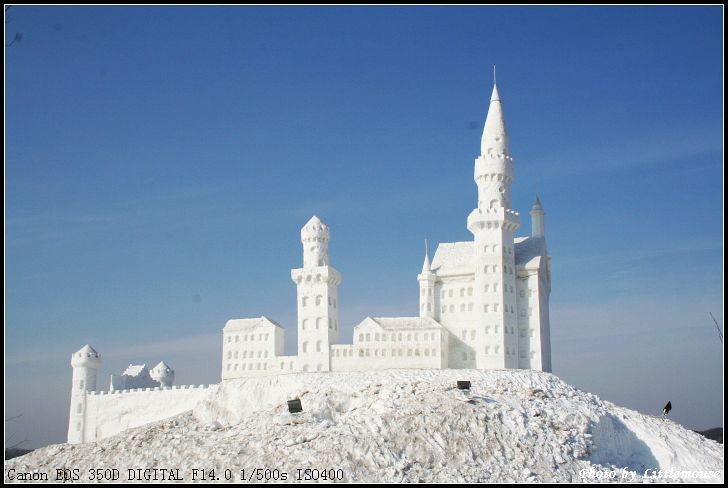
318,346
304,346
318,300
304,301
470,291
304,324
319,323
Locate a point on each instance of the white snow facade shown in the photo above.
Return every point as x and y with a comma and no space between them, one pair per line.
483,303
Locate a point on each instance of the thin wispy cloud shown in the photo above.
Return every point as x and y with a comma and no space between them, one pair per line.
629,154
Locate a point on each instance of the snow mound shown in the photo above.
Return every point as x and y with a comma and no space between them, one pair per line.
400,425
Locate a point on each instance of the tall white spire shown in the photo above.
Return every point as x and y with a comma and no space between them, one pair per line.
495,136
426,267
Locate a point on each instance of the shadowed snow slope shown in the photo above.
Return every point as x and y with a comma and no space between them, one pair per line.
398,425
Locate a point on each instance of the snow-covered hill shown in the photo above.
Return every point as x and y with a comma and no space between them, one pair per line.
397,425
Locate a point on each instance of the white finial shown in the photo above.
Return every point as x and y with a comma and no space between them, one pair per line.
426,253
493,74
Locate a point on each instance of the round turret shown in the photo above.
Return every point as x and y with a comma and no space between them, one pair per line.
315,238
86,357
163,374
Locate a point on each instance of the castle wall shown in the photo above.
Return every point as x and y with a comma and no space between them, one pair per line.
108,413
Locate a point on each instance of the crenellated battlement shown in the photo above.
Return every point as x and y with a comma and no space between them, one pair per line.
156,388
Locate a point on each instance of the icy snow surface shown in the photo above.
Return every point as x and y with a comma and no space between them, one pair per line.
398,425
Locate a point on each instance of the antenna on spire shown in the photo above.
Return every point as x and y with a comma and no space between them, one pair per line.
494,74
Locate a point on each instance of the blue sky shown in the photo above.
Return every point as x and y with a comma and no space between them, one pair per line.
160,161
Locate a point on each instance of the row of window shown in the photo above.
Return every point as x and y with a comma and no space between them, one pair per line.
416,352
449,293
462,292
317,300
304,346
319,323
366,337
246,338
486,308
246,354
494,248
493,268
247,366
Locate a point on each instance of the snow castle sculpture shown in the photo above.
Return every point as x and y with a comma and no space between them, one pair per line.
483,303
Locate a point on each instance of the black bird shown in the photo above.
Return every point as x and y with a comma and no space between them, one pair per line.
667,409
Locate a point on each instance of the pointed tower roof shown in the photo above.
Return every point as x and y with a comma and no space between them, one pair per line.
314,221
315,228
495,135
87,351
537,205
426,268
162,366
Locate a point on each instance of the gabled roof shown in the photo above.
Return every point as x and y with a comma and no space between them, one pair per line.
456,258
243,324
134,369
403,323
453,258
529,251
